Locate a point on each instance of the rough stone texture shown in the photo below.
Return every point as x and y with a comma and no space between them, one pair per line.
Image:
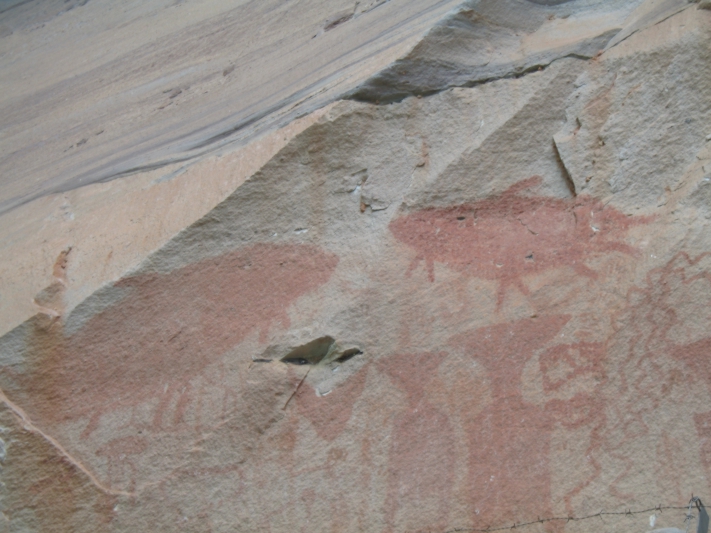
475,292
109,228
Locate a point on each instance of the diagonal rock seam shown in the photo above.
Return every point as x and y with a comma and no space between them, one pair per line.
564,170
29,426
655,23
512,75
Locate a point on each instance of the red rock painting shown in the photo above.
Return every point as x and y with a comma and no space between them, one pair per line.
512,235
422,457
666,321
702,421
304,480
120,454
509,441
330,414
164,332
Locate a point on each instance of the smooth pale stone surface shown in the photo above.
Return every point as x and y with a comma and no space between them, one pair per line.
93,90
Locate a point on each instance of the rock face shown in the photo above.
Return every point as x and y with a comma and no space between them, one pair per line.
473,292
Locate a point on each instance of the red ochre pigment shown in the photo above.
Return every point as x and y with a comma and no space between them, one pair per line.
512,235
510,439
330,414
422,460
164,333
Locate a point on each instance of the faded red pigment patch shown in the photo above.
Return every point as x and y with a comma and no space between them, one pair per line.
330,414
422,456
120,454
672,303
170,327
702,422
509,236
697,356
509,476
573,378
561,366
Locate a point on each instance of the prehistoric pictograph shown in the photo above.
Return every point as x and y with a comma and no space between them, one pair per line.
509,441
422,460
659,357
388,266
330,414
184,321
514,234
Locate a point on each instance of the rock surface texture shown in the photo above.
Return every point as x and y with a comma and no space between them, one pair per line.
469,289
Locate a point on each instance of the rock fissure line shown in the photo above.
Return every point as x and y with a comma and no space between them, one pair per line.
526,226
564,169
296,389
600,514
29,426
638,30
511,75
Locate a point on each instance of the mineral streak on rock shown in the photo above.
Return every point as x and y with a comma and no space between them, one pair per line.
512,235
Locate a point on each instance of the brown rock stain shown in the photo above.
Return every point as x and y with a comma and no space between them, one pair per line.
59,271
509,236
164,333
50,300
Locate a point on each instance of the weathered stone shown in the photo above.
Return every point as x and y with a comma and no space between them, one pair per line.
473,292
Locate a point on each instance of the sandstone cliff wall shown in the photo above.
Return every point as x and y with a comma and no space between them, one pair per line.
472,292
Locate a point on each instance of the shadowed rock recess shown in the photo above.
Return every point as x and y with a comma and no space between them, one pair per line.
378,266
